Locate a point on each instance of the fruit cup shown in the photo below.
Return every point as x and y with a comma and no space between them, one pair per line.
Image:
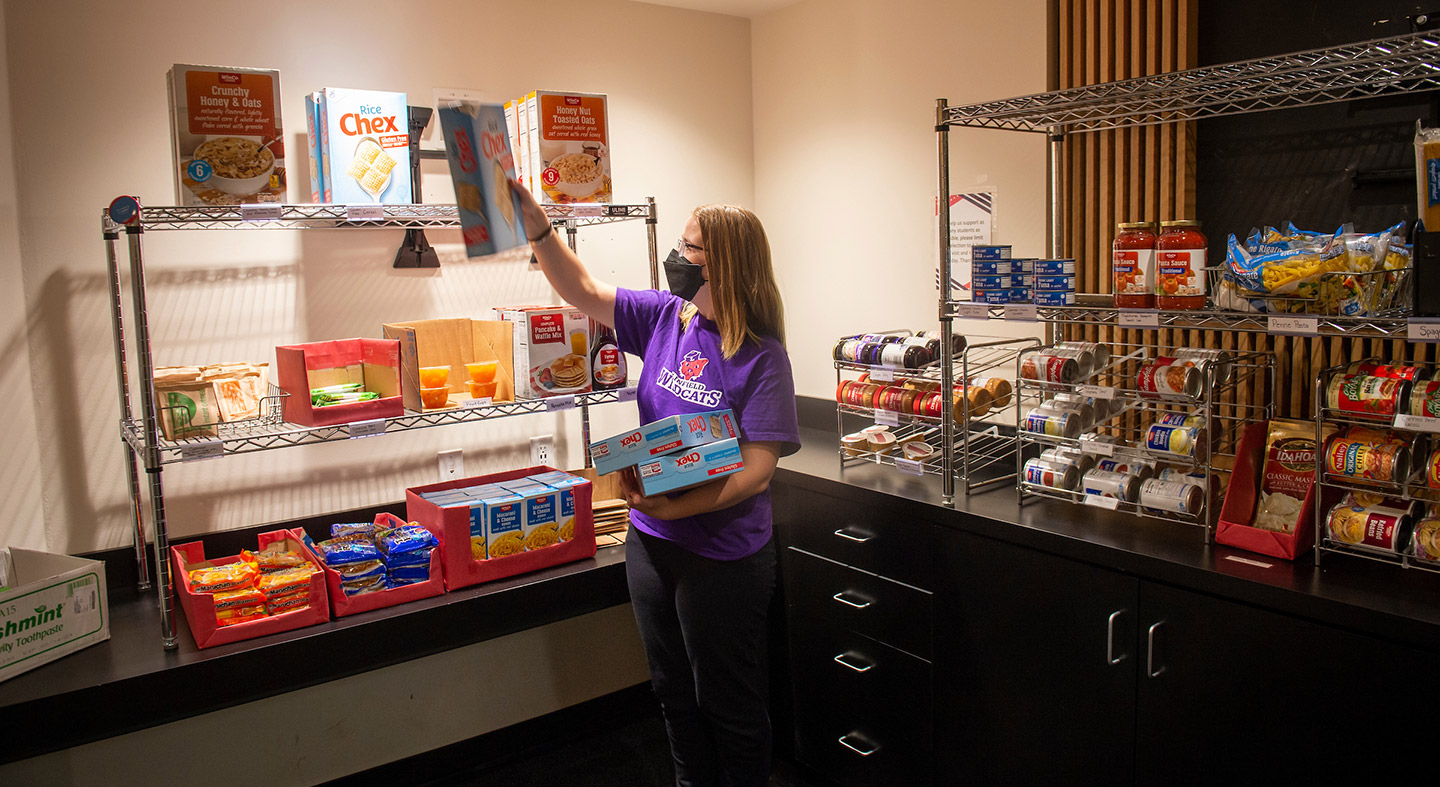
434,376
482,390
481,371
435,397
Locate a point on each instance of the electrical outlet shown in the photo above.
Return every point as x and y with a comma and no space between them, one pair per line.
542,450
452,464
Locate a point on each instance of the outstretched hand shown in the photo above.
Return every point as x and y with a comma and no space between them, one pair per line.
535,218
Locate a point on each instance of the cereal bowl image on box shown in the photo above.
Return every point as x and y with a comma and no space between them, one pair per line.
575,175
236,165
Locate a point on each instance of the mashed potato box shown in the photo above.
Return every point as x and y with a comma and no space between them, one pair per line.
50,606
1235,523
477,144
364,146
660,437
226,135
685,469
569,137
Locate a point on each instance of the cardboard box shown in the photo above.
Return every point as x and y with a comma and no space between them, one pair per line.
570,146
374,363
685,469
200,607
51,606
365,146
451,525
313,135
453,343
542,511
226,135
552,350
342,605
661,437
477,146
1233,525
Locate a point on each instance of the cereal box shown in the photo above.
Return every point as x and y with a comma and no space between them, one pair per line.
690,468
364,146
312,135
570,146
477,143
657,438
551,346
226,135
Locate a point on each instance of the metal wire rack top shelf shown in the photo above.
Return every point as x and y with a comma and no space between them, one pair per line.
1151,319
277,216
1381,67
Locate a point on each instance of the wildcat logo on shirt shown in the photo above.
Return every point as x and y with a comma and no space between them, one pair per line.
687,385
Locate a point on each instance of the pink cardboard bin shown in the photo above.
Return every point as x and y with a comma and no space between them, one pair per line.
1233,528
342,605
451,527
200,607
374,363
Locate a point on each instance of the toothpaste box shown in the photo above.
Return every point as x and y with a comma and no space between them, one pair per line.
661,437
226,135
552,345
54,605
482,164
541,516
497,525
689,468
364,146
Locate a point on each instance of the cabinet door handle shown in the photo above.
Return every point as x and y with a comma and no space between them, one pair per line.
840,597
857,539
1110,639
874,747
846,659
1150,651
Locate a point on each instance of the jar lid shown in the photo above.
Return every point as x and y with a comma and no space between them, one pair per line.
1136,225
1180,223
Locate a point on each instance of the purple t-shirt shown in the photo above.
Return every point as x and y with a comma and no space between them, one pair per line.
686,372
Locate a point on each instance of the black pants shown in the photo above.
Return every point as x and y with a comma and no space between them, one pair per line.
703,624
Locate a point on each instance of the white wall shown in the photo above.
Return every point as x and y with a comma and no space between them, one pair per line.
845,156
88,82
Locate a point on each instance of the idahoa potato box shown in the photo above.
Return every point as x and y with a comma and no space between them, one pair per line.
226,135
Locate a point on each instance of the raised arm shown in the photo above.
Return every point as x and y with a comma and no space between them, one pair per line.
567,274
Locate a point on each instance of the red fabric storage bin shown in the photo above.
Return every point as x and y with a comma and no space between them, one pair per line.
342,605
200,607
1233,528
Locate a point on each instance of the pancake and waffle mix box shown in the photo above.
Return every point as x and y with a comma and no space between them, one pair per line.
477,144
364,146
226,135
552,350
664,436
50,606
689,468
569,148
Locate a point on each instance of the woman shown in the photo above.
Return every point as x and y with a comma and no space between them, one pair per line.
701,563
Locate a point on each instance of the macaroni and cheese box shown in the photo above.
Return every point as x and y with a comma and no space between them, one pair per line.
502,520
226,135
564,484
364,146
50,606
477,145
569,150
685,469
661,437
552,350
542,512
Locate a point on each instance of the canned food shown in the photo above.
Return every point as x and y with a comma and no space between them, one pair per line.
855,444
990,296
1180,419
1175,439
999,267
1053,369
1062,455
1083,358
1370,527
1056,475
1366,459
999,388
1102,483
896,399
1178,497
1055,268
1100,408
1425,399
989,252
1432,470
1081,410
1001,281
858,394
1425,543
1054,283
930,405
1222,361
1051,423
1411,373
1367,397
1167,379
1053,298
975,400
1143,470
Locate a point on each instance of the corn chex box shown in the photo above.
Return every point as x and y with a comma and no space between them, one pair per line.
364,146
661,437
50,606
685,469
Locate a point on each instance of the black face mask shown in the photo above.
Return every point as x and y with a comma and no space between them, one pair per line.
684,276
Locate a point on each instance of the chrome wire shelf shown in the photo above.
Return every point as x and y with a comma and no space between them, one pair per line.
1381,67
1246,322
264,437
340,216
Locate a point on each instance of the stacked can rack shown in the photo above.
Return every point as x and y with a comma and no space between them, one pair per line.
1133,427
1377,472
906,404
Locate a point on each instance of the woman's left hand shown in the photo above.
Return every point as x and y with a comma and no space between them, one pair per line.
657,506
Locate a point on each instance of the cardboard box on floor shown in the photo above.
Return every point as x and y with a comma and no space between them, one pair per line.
374,363
52,606
453,343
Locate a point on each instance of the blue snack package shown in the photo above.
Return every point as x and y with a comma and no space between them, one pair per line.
363,569
407,538
367,585
341,529
418,557
407,574
347,549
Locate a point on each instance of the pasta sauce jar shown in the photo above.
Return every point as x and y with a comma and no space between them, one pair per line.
1180,265
1132,266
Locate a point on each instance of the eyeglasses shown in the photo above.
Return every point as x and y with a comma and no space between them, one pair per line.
685,247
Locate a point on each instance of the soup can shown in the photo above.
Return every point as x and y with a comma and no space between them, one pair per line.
1425,399
1144,470
1084,358
1178,497
1101,483
1432,470
1100,352
1411,373
1056,475
1425,543
1222,361
1377,528
1169,379
1000,389
1180,419
1051,423
1062,455
1365,396
1367,459
1100,408
1084,412
1053,369
1174,439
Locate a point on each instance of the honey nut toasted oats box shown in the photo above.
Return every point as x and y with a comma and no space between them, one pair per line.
569,146
226,135
477,145
364,146
552,350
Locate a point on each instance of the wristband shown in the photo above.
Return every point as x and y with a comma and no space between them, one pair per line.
549,229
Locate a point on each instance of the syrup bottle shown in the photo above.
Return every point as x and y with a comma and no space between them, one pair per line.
607,363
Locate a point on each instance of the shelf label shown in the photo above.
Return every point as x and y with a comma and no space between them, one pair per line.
1143,318
1099,449
1249,562
1417,423
556,404
1100,501
261,211
1021,311
1299,326
972,311
471,404
195,452
883,375
364,212
911,466
589,211
629,394
1423,330
887,418
1096,391
366,428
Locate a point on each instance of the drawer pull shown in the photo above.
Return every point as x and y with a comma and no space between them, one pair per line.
1110,639
1150,652
840,597
874,747
845,659
849,537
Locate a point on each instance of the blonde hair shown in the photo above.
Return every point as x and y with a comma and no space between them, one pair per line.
743,291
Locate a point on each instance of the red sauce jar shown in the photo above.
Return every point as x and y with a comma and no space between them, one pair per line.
1180,265
1132,265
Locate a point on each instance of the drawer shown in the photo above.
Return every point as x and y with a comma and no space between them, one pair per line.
877,682
863,536
856,753
821,590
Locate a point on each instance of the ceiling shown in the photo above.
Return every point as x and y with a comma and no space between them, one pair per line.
746,8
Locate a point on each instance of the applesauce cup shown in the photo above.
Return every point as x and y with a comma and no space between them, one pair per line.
481,371
434,376
484,390
435,397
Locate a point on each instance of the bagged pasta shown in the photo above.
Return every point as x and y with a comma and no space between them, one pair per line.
1427,176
